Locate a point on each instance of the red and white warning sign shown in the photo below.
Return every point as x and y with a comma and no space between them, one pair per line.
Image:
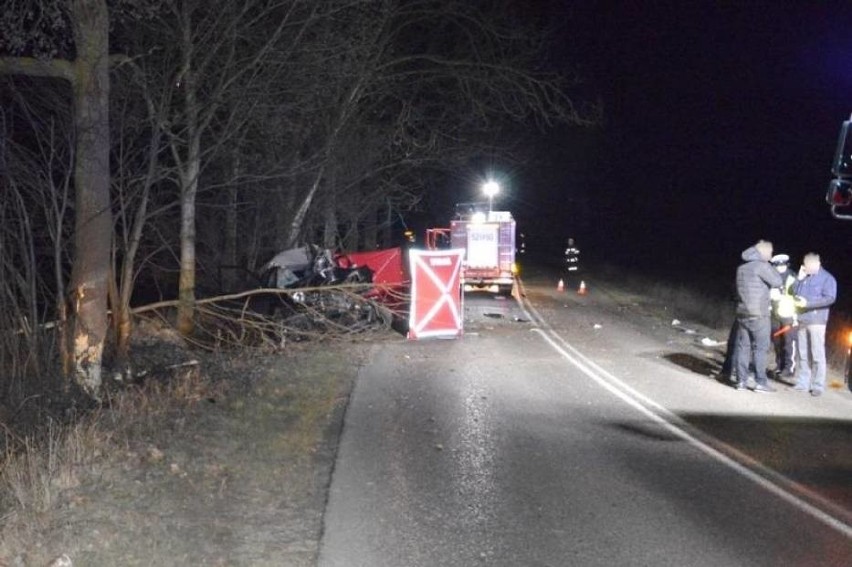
436,300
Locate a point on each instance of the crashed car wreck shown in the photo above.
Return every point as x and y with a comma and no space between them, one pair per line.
334,292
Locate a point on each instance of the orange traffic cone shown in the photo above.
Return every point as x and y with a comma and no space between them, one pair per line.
582,289
560,286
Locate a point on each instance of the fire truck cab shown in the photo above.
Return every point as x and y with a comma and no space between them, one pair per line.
488,239
839,198
839,195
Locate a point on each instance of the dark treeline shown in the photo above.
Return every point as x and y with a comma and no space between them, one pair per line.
176,145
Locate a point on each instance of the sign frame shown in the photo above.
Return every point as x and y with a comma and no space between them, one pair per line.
437,308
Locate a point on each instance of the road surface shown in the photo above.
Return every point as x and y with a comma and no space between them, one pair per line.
582,430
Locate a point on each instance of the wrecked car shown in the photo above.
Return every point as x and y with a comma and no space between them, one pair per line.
332,292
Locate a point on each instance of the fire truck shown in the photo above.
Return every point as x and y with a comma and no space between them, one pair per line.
488,239
839,198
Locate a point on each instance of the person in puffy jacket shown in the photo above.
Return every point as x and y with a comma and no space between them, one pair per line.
755,277
816,291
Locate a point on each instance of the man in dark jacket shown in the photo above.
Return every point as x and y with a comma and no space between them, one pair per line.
815,291
755,277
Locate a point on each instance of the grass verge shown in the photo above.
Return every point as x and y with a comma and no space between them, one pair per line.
37,471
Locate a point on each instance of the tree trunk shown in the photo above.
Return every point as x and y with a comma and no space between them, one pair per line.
371,229
330,229
387,227
122,318
295,231
121,323
353,234
93,221
229,254
284,219
189,190
186,285
251,245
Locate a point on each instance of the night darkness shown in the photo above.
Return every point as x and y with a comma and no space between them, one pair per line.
719,129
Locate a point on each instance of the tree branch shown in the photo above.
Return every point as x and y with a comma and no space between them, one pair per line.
53,68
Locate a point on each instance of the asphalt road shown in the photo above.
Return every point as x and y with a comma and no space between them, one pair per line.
565,432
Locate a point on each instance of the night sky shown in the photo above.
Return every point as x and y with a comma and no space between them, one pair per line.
720,127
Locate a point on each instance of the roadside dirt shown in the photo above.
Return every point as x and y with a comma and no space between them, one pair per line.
239,477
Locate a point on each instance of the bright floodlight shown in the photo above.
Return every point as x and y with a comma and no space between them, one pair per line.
490,188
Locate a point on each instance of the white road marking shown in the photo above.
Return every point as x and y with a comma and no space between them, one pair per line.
676,426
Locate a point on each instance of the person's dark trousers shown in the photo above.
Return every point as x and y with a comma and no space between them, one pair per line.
752,343
731,351
785,345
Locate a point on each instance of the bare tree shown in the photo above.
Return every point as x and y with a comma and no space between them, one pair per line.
221,49
138,144
34,52
36,167
429,79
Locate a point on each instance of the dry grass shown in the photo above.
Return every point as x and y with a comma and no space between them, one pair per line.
682,300
39,468
36,470
691,304
138,481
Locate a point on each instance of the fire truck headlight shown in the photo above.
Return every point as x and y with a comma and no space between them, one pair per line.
516,269
490,188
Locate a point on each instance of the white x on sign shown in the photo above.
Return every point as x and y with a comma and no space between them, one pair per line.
435,291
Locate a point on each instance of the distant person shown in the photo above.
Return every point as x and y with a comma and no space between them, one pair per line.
572,257
816,291
784,320
755,277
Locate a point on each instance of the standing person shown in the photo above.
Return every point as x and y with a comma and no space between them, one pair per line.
784,321
816,291
572,258
755,277
522,244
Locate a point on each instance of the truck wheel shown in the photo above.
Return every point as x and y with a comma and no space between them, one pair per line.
504,290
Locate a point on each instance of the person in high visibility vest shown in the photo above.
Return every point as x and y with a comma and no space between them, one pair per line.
784,321
572,258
